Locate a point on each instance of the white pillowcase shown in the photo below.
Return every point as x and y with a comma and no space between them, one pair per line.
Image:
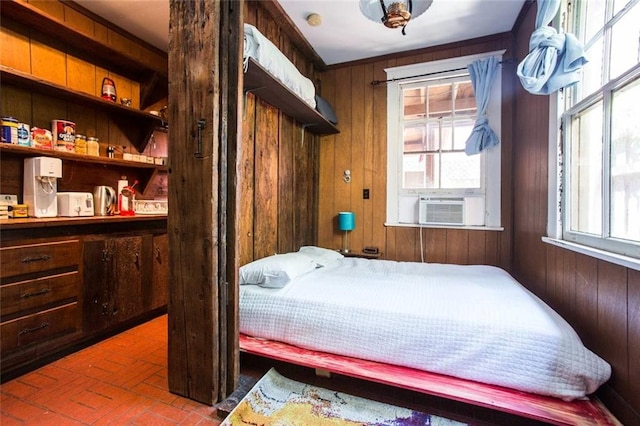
321,256
276,271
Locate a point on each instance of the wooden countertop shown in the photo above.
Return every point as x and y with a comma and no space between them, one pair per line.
26,223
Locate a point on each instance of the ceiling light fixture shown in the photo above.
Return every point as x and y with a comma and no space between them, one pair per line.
314,19
394,13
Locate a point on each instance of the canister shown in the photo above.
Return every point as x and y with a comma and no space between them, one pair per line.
41,138
9,130
93,146
20,210
64,134
80,145
24,134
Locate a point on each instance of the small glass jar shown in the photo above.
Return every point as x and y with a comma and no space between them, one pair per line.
80,146
93,146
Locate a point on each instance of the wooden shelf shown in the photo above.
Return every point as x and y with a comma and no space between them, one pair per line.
148,170
260,82
154,78
141,123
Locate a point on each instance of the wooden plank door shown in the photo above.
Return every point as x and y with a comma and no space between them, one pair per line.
205,63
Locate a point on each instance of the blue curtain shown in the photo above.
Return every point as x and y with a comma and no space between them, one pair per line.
554,60
482,73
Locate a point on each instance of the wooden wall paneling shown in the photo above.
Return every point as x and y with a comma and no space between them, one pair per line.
266,180
43,110
457,246
507,149
343,151
14,46
304,187
406,244
326,225
633,337
288,143
48,59
52,7
16,102
81,75
368,142
587,301
247,171
359,156
493,243
101,32
79,21
477,247
11,174
567,290
612,322
553,278
286,178
435,245
378,165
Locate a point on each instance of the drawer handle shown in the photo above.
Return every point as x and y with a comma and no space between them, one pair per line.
37,293
136,261
31,330
41,258
158,256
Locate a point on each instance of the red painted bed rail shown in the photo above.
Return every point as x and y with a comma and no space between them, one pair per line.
537,407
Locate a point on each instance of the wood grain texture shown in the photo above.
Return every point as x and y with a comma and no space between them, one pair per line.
542,408
361,147
279,163
599,299
194,338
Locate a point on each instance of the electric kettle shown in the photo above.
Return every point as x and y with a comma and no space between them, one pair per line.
104,200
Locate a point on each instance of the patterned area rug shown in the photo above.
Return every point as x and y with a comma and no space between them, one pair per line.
276,400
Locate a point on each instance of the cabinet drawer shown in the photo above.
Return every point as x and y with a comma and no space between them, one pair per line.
24,295
18,260
39,327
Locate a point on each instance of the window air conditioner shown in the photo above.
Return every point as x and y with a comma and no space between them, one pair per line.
440,211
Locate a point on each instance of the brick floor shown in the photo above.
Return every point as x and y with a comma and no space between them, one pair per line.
120,381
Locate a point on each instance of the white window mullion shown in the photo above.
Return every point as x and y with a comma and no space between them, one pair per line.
606,165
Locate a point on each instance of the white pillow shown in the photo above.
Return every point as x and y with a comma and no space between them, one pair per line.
321,256
276,271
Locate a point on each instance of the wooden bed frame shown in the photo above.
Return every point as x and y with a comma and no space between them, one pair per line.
523,404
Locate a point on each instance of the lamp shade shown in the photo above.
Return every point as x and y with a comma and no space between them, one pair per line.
346,221
373,10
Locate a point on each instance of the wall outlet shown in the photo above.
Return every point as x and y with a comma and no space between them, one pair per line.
365,194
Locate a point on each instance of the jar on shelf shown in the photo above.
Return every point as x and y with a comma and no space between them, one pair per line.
80,144
93,146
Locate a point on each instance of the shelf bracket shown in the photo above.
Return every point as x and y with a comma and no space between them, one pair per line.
303,128
244,104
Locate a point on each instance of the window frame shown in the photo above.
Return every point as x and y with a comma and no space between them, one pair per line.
559,230
491,158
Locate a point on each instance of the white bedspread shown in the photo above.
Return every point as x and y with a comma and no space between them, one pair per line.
473,322
260,48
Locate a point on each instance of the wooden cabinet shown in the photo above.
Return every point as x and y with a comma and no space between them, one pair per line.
40,301
80,280
124,277
113,281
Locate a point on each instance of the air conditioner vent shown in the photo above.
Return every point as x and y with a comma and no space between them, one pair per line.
441,211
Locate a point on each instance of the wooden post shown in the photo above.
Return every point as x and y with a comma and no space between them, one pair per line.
204,96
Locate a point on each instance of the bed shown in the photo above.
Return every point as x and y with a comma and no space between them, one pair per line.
258,47
472,324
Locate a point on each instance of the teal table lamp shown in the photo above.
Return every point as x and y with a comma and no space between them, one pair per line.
346,223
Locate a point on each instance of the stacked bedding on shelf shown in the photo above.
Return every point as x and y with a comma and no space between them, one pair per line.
474,322
258,47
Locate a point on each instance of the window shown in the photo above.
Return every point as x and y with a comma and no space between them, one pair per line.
600,140
431,111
